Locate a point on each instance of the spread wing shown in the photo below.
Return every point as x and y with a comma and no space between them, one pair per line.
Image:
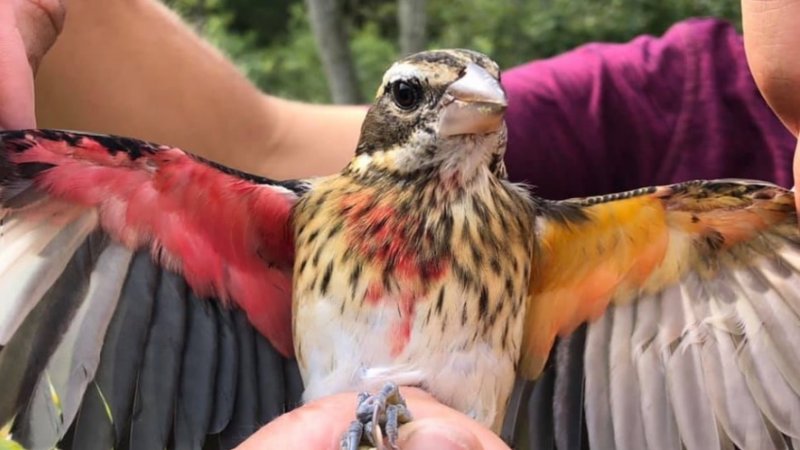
692,297
138,285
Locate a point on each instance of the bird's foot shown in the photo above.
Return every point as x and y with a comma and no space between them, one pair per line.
377,416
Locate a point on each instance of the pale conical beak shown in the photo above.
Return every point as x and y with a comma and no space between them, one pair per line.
475,104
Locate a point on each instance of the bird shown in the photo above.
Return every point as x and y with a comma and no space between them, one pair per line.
138,274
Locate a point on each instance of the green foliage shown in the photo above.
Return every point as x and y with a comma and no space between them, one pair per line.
271,40
10,445
290,66
6,443
517,31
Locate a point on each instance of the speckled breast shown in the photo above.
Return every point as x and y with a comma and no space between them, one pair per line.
415,284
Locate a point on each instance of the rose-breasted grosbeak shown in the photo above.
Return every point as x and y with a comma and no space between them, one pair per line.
420,248
418,264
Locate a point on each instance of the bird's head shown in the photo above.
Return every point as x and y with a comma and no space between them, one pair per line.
436,114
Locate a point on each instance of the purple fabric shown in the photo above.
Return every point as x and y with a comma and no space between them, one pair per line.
610,117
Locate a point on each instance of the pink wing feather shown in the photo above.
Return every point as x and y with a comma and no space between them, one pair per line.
228,233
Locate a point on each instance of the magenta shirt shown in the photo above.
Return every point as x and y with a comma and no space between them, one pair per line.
610,117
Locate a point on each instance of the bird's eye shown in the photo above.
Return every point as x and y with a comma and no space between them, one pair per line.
406,95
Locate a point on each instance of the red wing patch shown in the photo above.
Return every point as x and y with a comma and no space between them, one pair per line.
229,236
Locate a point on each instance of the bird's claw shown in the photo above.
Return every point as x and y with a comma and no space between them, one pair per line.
377,416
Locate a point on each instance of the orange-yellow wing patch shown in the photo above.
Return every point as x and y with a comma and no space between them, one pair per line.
612,249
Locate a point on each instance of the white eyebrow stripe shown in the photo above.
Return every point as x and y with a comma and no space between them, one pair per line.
401,71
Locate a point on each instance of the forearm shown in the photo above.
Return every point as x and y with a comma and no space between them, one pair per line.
771,37
132,67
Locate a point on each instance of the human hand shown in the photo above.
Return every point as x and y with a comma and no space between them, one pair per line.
28,28
772,40
321,423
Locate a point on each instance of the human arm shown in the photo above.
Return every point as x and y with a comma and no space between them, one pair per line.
132,67
771,38
117,71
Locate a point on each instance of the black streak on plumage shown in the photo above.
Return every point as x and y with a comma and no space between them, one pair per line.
440,301
32,169
355,276
483,302
326,278
561,212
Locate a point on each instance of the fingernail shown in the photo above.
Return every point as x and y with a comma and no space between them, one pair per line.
439,436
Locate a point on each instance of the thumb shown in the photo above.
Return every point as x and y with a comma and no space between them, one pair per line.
439,434
39,23
16,79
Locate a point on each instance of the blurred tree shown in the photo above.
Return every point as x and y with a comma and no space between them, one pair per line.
330,32
412,17
273,43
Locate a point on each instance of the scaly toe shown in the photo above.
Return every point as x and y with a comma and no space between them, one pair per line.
352,437
377,416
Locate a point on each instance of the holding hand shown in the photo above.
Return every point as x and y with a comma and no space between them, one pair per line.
28,28
320,424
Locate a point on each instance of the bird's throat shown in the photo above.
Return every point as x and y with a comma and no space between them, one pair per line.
389,231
